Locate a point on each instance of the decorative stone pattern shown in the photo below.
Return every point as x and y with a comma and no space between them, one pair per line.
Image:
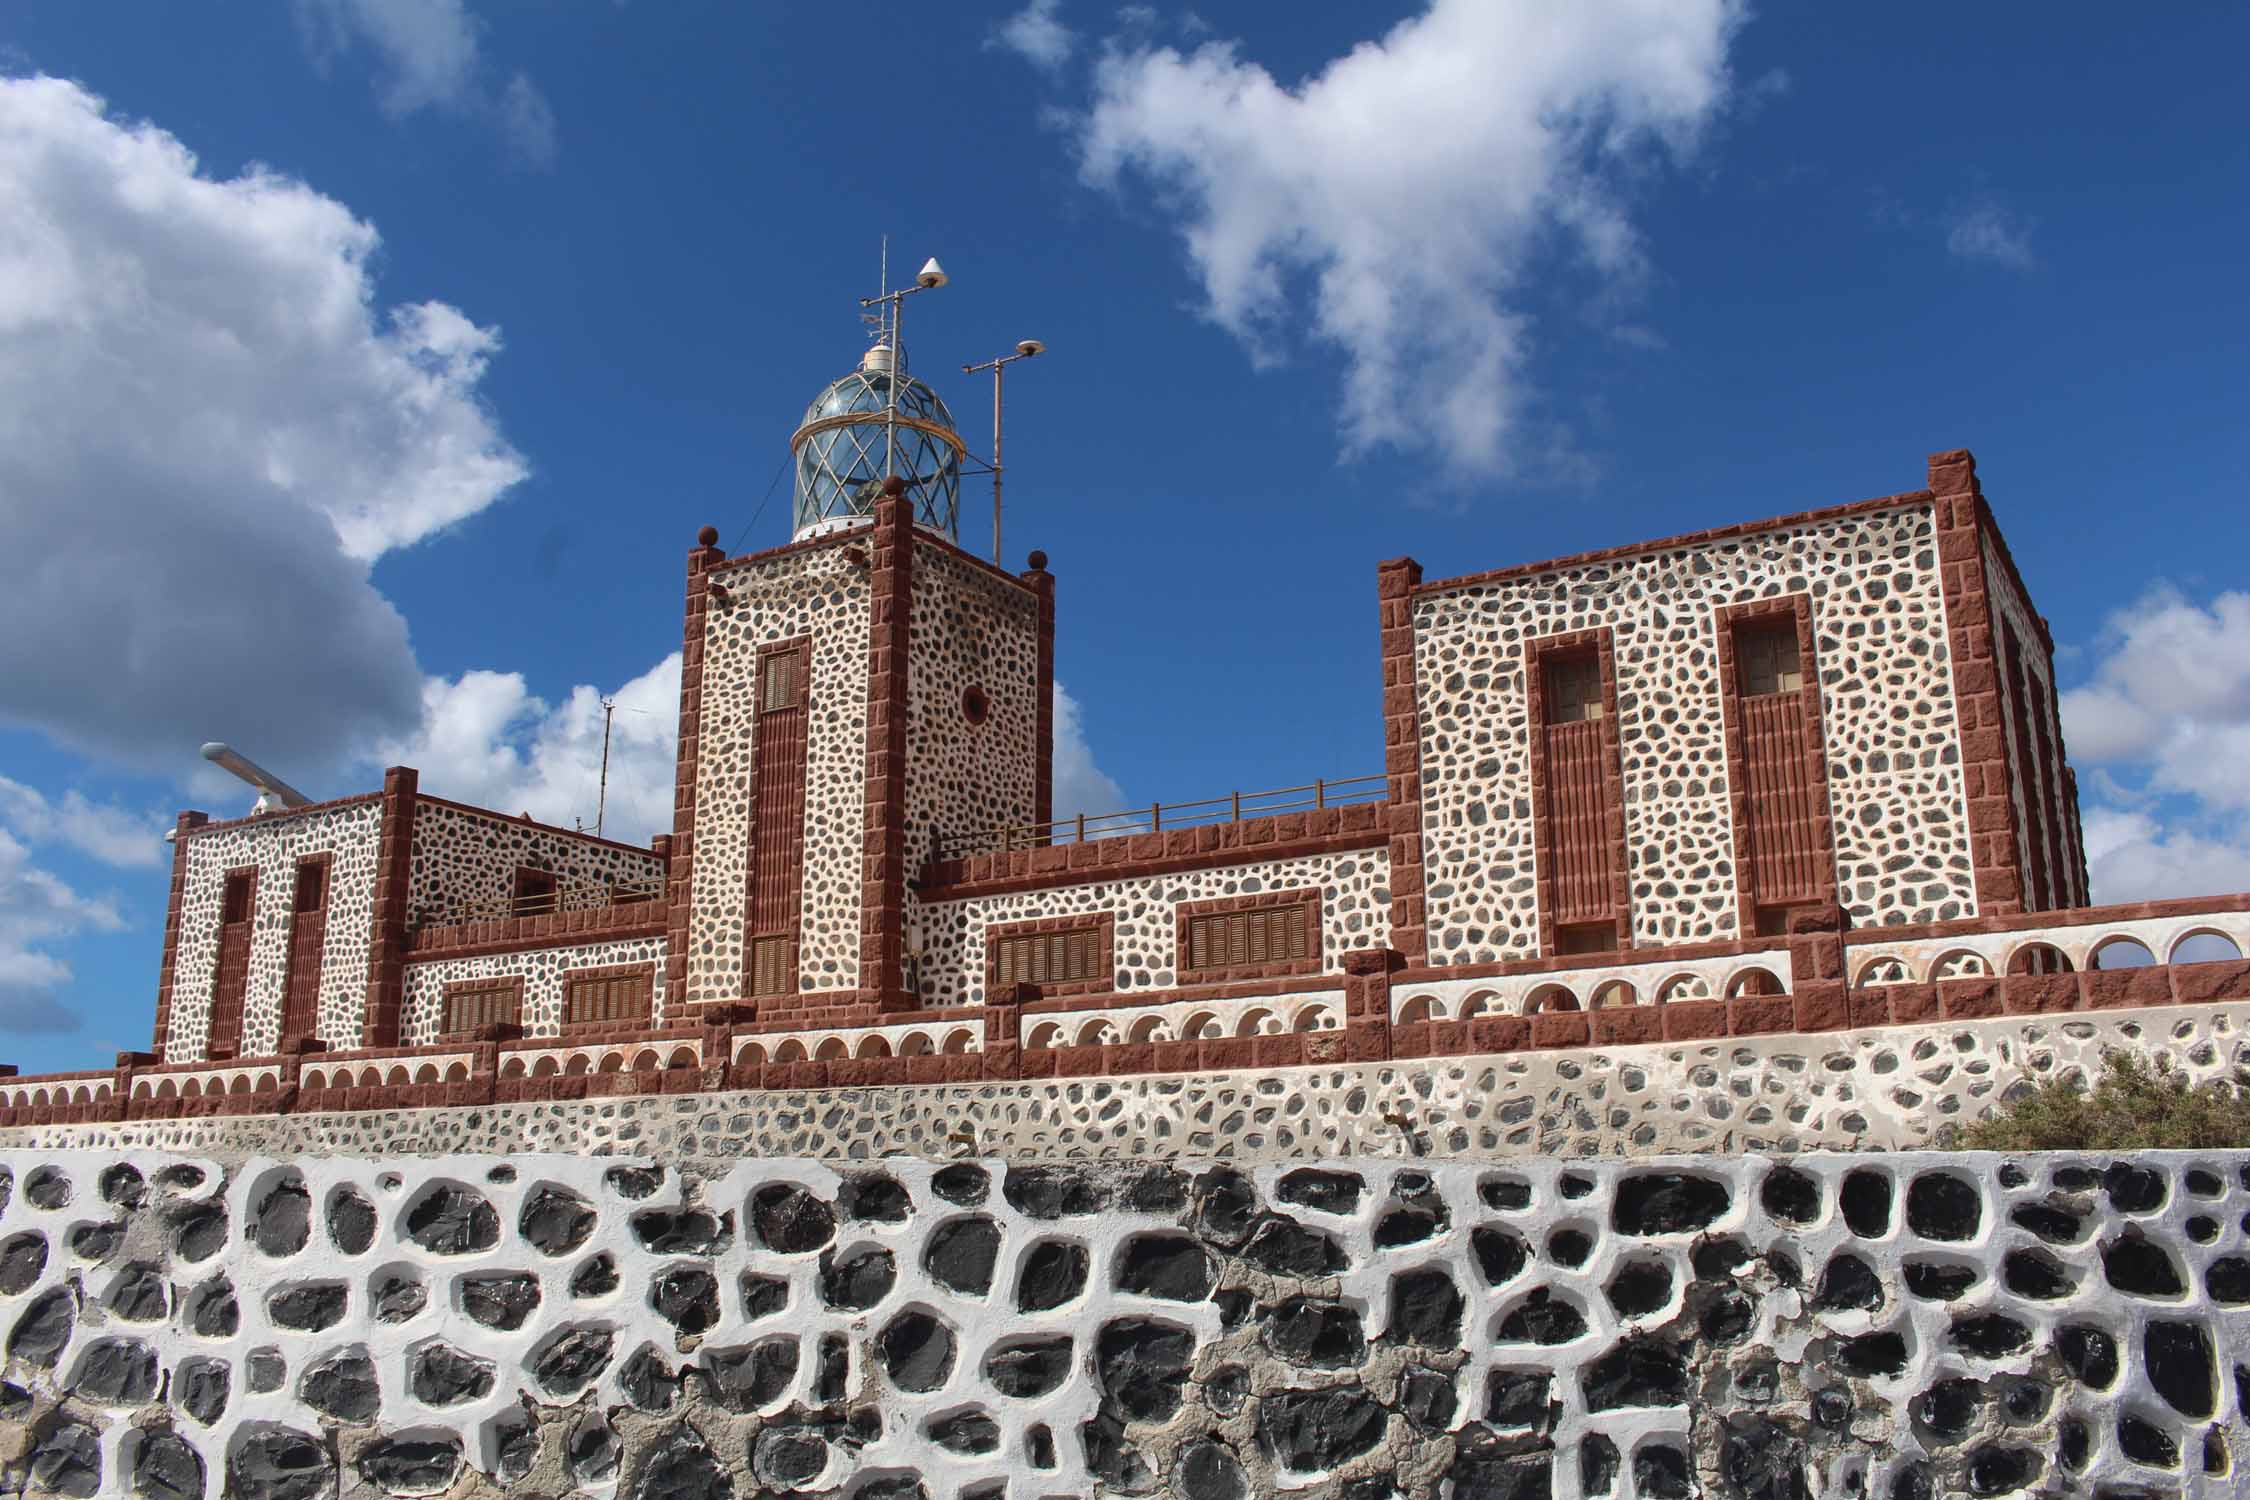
542,970
1889,719
1889,1088
274,843
1355,913
1904,1326
976,633
2012,612
464,856
818,592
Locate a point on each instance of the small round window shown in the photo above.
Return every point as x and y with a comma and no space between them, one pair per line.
974,705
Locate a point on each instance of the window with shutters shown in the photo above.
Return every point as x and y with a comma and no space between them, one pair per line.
1776,771
773,965
482,1002
607,997
775,898
1062,955
1765,658
1574,688
1251,936
1577,793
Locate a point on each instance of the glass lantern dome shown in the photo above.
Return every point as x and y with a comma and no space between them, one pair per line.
840,451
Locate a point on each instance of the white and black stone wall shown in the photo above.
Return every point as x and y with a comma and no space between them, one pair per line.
1900,1326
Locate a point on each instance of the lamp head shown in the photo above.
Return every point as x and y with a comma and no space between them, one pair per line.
931,276
1029,347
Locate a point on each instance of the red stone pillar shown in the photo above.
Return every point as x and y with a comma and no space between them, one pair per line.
1402,755
1367,1002
679,869
882,915
1042,583
1993,835
386,949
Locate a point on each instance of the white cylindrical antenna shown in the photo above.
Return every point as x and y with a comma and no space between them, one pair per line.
272,789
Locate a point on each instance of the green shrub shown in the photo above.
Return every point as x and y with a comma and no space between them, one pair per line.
2133,1106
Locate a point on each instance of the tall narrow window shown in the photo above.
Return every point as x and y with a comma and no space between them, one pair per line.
777,818
534,892
1780,794
1576,795
308,940
230,978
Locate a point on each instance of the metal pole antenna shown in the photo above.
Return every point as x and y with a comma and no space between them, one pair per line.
1024,350
601,804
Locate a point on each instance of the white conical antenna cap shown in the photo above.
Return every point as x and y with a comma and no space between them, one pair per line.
932,275
879,360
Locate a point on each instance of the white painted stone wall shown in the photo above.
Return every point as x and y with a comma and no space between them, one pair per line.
542,969
462,856
969,630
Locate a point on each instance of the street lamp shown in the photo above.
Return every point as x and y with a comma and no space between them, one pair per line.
1025,349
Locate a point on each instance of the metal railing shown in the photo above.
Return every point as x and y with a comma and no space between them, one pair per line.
1158,817
580,896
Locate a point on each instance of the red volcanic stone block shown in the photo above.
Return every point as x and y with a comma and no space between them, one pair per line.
1368,1041
1562,1029
1499,1033
1822,1005
2225,979
1413,1039
855,1072
1693,1020
2107,988
1760,1015
1285,1051
1081,1062
1912,1002
1871,1005
1039,1063
1325,1047
1177,1057
1230,1052
1133,1057
962,1067
1969,999
1628,1025
2038,994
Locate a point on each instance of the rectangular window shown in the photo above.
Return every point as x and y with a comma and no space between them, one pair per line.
534,891
308,942
1049,957
230,977
775,897
1777,773
1577,801
234,906
781,680
312,886
495,1002
773,965
606,999
1574,688
1765,658
1239,939
1586,937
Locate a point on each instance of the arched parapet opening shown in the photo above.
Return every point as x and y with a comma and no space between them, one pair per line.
1753,982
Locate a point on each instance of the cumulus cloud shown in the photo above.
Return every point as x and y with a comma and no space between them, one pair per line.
1395,202
36,909
1037,34
208,430
1080,785
429,56
1985,231
103,830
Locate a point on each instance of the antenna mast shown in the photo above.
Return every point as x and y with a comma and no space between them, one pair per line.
1024,350
601,803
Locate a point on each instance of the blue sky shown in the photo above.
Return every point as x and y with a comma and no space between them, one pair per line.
368,368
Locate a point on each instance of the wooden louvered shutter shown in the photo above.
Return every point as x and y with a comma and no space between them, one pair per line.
777,818
1240,939
308,941
1785,803
1066,957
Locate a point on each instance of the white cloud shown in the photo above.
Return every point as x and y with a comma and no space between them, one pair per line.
36,909
208,429
485,738
1080,786
1037,33
1413,182
2133,856
103,830
1985,231
431,58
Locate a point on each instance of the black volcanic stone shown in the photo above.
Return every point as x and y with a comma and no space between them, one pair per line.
1542,1318
916,1351
1114,1460
1949,1408
875,1198
1666,1203
1519,1398
1866,1201
43,1329
275,1463
1287,1248
596,1278
855,1283
789,1220
2089,1354
1324,1335
96,1241
1995,1469
762,1296
1425,1309
139,1294
342,1387
634,1182
1569,1247
1790,1196
1308,1431
1638,1372
1500,1255
687,1297
1832,1407
2025,1400
1872,1354
1485,1471
2177,1357
2146,1443
1762,1460
307,1309
1719,1257
1208,1470
47,1187
1427,1398
116,1372
1727,1316
1640,1287
500,1301
518,1446
1660,1472
200,1232
121,1185
568,1362
2036,1275
1225,1392
181,1178
2074,1440
961,1253
1226,1207
411,1465
556,1221
2202,1229
264,1371
750,1376
282,1222
167,1467
1142,1364
1505,1194
648,1382
1054,1272
22,1258
1912,1482
681,1466
201,1388
969,1432
1330,1192
683,1231
591,1451
2134,1190
1034,1367
962,1184
1849,1282
1990,1335
2057,1226
788,1457
501,1175
1157,1190
2204,1184
1573,1185
2141,1268
1409,1226
452,1220
1053,1192
2013,1176
1171,1266
444,1376
214,1313
66,1459
1598,1464
1235,1306
1941,1206
2228,1280
1933,1281
1757,1382
351,1221
398,1298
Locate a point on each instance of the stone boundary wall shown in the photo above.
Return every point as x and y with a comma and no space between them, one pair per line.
1885,1088
1903,1326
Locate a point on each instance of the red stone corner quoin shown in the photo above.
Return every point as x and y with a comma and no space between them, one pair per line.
1475,896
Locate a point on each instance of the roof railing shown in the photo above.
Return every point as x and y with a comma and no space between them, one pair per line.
1159,817
593,895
